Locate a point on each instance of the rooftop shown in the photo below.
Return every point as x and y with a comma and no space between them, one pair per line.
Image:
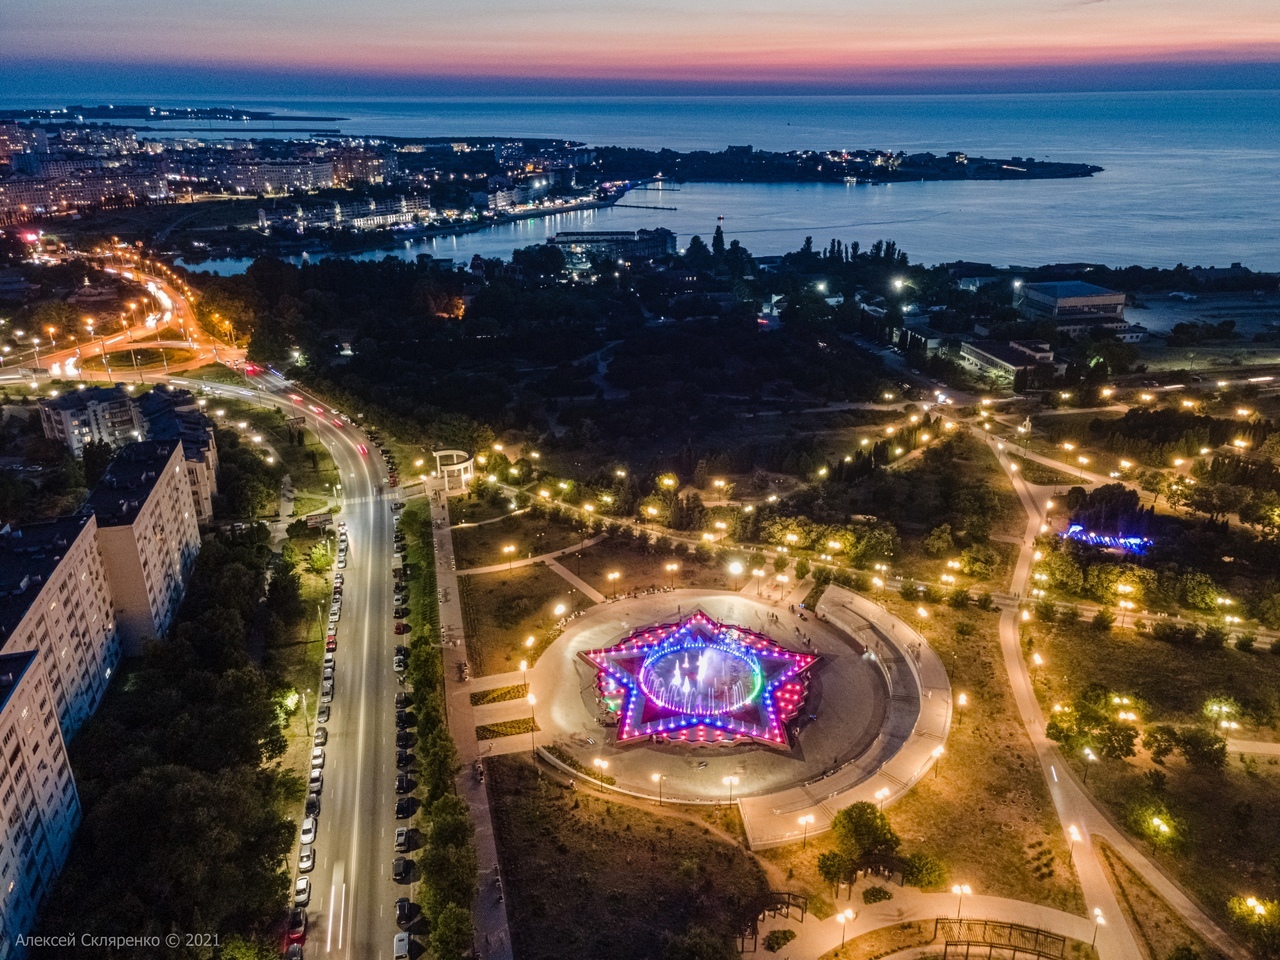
28,557
1070,289
12,668
129,480
78,399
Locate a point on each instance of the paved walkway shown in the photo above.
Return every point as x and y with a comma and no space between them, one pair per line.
493,938
1264,747
1074,806
530,561
576,580
816,937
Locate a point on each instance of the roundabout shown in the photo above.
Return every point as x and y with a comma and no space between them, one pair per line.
704,697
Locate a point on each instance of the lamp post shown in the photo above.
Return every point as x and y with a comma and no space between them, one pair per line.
612,577
735,571
1098,921
658,778
881,796
601,766
533,727
1074,833
672,568
524,673
730,782
960,890
759,576
938,751
510,551
845,917
804,822
1089,757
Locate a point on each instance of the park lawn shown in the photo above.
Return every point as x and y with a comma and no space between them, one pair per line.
986,814
470,509
641,570
1039,474
587,877
216,373
912,563
1229,822
303,505
501,610
499,694
310,466
531,536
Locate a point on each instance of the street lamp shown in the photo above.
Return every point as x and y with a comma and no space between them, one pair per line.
533,725
960,890
845,917
730,782
804,822
658,778
757,574
881,796
671,569
559,610
1098,921
1089,757
601,766
612,577
1074,833
938,751
735,570
510,551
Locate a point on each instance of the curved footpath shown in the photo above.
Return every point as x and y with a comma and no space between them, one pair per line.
1075,807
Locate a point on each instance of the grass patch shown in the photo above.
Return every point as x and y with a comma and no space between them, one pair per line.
499,695
641,569
531,536
308,463
420,558
471,509
1038,473
500,611
216,373
1227,822
561,847
147,358
506,728
885,941
303,505
986,814
570,761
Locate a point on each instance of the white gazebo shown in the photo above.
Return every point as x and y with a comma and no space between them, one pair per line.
457,467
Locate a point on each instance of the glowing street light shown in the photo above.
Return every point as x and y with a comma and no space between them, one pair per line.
612,577
510,552
1098,921
559,611
730,782
658,778
672,569
960,889
735,570
804,822
845,917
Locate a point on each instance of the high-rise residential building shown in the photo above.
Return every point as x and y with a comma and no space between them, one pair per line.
148,536
102,414
39,807
171,414
55,602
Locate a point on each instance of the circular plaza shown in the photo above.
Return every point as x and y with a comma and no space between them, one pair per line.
701,696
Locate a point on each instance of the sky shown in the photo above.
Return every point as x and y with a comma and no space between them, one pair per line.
57,46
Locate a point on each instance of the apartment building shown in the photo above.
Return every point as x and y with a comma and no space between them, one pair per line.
171,414
55,602
39,807
102,414
147,535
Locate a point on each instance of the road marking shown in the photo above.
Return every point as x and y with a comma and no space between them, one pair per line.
342,916
333,902
1054,771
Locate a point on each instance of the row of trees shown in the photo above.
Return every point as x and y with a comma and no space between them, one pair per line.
178,772
864,838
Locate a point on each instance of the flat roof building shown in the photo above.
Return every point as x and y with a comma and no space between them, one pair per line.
1004,359
55,601
176,415
148,536
38,802
101,414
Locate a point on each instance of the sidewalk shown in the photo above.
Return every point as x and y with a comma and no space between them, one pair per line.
492,935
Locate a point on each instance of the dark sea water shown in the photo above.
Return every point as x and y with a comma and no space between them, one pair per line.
1191,177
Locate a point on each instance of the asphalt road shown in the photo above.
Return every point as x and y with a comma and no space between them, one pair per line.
353,896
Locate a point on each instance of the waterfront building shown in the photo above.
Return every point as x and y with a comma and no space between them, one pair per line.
148,536
38,802
622,244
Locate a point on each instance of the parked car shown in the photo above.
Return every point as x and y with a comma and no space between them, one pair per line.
297,925
308,830
403,783
404,719
404,808
326,691
402,839
302,892
322,715
306,858
403,700
402,628
317,758
321,737
404,911
316,783
400,664
404,739
404,759
400,947
331,643
402,650
400,613
294,952
400,869
328,672
313,805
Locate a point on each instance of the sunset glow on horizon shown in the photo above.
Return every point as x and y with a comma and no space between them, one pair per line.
813,41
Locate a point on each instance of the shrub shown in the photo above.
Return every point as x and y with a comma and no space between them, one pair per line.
1046,611
984,601
1245,642
876,895
1102,621
775,940
923,870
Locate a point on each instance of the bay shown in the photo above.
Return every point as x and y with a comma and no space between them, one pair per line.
1190,177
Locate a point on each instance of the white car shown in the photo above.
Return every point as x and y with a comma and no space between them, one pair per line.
308,830
316,783
317,758
400,947
302,892
307,858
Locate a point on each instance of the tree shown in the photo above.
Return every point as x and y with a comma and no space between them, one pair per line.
452,934
939,542
700,943
833,867
1103,620
802,568
923,870
861,830
1203,749
1160,740
97,454
1154,482
319,560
